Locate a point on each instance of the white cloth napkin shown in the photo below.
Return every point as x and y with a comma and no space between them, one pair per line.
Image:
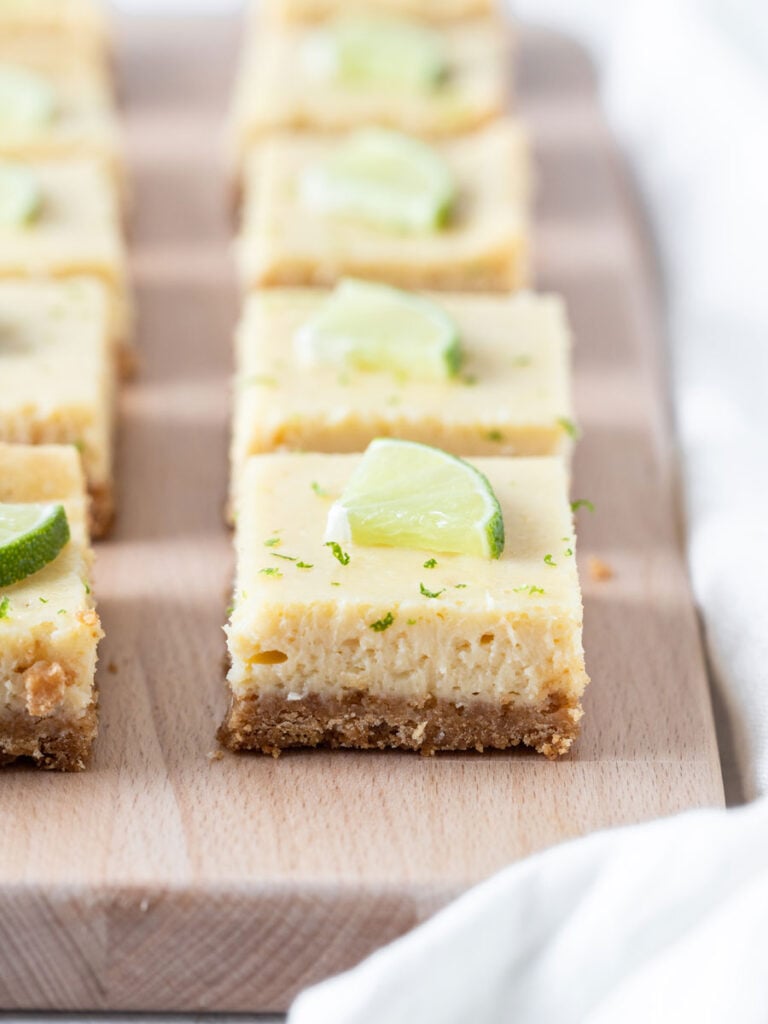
685,86
656,924
663,922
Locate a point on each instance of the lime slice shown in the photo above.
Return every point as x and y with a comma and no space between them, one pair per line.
20,196
361,52
385,178
409,495
365,326
27,100
31,536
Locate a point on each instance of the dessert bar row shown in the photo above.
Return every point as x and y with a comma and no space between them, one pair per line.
378,85
389,594
65,318
64,300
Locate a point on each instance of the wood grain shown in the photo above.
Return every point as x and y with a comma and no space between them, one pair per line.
161,880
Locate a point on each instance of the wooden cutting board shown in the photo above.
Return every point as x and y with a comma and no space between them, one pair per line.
162,880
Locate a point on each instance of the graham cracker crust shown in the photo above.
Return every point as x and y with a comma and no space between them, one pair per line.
271,724
489,276
101,511
127,361
54,743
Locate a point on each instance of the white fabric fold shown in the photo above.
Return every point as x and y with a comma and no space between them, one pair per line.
662,922
690,105
687,97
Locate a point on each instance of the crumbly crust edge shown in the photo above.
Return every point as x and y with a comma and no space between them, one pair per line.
271,724
509,271
55,743
101,509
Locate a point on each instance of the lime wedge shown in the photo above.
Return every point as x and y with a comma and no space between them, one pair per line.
20,196
27,100
364,326
31,536
409,495
370,51
385,178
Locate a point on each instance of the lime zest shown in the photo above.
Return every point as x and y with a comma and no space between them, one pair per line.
571,429
430,593
32,535
383,624
260,380
5,604
338,552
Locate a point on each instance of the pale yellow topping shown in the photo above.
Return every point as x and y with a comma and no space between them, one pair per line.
512,394
81,121
77,230
56,365
496,629
81,16
278,501
483,248
472,93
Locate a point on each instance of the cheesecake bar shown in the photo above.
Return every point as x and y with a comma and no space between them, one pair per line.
471,93
57,367
483,247
511,396
77,26
427,10
74,110
49,629
400,647
76,232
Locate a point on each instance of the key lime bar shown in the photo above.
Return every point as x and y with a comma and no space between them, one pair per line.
54,106
57,367
61,219
49,629
428,10
434,82
509,394
367,647
319,209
